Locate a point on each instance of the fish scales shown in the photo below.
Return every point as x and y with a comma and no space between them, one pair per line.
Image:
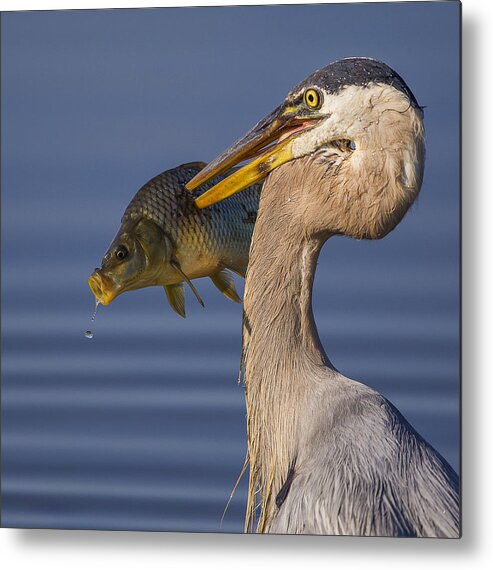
223,230
165,239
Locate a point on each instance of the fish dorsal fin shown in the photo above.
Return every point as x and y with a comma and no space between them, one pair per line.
198,164
224,281
174,263
176,298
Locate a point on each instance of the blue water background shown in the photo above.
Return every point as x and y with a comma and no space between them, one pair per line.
143,427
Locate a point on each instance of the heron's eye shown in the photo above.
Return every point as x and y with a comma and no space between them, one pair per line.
312,98
121,252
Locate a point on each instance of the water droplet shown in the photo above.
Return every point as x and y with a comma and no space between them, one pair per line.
95,310
88,333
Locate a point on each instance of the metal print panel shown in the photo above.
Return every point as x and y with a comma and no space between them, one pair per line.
345,419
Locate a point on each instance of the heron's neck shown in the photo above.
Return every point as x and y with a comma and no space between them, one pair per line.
283,356
278,295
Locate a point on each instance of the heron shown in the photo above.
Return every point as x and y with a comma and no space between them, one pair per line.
342,155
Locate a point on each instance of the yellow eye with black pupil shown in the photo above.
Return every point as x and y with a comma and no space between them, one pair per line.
312,98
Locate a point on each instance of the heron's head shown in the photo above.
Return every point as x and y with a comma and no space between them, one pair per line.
348,142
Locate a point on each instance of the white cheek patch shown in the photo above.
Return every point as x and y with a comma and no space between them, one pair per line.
354,113
345,112
312,140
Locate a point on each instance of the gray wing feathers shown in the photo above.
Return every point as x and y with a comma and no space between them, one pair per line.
346,481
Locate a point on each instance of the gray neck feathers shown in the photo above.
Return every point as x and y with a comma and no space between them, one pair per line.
282,351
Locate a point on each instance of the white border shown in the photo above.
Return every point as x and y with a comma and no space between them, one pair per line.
77,550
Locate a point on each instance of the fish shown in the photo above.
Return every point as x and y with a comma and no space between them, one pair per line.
165,240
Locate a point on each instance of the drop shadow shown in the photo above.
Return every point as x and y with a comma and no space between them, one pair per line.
471,309
232,544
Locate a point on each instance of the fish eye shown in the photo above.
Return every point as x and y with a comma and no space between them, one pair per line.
121,252
313,98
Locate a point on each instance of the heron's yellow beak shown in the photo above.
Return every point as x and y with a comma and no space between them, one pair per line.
253,172
279,128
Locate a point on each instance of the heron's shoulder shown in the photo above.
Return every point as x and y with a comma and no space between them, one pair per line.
354,403
367,433
364,470
351,412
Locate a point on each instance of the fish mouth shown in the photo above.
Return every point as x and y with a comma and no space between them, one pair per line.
268,145
103,287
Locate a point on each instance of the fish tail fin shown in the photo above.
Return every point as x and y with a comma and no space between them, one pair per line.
176,298
225,282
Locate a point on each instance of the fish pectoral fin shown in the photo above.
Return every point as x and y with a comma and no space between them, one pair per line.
174,263
238,266
225,282
176,298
